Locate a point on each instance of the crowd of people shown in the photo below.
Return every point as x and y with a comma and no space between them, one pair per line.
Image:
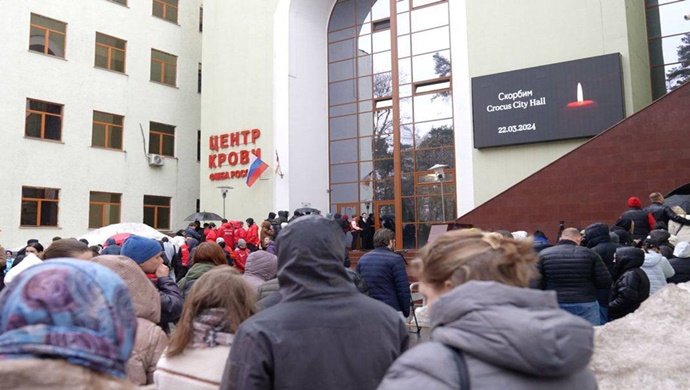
276,305
603,273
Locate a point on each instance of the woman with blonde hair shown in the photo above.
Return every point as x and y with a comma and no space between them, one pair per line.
216,306
487,327
682,232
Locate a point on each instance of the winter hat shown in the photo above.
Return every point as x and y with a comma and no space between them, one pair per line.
220,239
140,249
651,242
242,243
271,215
682,249
634,201
661,236
519,235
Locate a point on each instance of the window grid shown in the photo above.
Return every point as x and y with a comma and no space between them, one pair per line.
110,127
47,32
152,203
164,137
160,65
661,84
166,9
43,115
39,205
110,62
104,207
359,88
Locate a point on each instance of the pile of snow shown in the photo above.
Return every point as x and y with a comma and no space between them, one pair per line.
649,348
99,236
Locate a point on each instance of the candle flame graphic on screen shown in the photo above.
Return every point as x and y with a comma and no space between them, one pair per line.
580,97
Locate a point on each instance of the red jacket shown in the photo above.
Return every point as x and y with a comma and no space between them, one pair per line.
220,232
228,236
239,232
212,235
241,258
184,255
253,235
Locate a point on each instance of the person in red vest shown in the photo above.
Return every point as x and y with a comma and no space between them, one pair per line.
252,237
239,232
241,254
229,235
212,233
221,230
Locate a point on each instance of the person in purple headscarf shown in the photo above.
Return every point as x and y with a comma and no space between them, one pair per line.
66,323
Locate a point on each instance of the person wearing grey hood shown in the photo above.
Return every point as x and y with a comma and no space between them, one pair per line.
260,268
488,330
323,334
656,266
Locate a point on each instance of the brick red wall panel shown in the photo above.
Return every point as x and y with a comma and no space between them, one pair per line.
647,152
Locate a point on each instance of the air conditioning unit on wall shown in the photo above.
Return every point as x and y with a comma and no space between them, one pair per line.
156,160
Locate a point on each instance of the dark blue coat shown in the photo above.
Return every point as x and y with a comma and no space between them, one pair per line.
384,272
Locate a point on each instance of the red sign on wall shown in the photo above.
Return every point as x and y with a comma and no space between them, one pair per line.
235,158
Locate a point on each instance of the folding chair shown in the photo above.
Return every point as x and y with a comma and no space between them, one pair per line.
417,300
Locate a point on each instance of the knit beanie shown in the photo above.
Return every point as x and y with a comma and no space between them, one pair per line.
241,243
634,202
140,249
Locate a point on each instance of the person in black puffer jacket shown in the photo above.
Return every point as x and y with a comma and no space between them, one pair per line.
681,263
598,239
623,229
575,273
642,219
631,284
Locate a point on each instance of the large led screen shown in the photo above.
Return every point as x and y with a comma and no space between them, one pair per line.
573,99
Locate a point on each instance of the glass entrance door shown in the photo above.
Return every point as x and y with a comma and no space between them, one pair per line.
348,209
384,215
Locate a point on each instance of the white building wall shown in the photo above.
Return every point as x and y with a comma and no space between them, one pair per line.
73,165
275,79
541,32
238,95
267,68
308,109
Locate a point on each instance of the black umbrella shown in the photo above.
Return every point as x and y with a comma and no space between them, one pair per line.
678,200
204,216
308,210
679,197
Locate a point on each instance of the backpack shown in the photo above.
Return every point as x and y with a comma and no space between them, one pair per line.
461,364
